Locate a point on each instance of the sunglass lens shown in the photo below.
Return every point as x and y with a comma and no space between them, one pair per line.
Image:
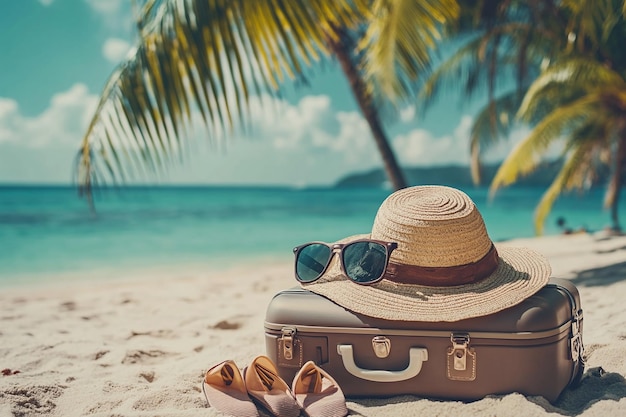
311,261
364,261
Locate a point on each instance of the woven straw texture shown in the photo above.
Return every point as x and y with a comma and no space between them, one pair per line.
436,226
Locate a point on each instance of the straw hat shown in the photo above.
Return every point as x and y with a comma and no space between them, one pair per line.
446,268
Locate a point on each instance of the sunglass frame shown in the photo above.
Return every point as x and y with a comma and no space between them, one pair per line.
339,248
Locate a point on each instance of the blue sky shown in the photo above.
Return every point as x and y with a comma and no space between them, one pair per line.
57,55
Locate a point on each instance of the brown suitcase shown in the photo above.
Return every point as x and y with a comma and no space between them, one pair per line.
534,348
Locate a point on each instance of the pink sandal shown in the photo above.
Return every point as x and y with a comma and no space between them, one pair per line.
270,390
318,393
225,390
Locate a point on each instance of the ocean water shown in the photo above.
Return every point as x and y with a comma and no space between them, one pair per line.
49,231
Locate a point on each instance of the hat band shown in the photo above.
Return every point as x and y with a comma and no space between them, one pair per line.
446,276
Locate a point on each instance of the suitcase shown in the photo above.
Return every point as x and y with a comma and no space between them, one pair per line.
533,348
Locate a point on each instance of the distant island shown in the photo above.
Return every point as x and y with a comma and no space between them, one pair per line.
458,176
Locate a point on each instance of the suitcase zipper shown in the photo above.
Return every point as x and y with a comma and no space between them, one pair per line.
577,349
278,327
573,327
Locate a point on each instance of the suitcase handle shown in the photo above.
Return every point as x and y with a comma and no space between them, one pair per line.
417,356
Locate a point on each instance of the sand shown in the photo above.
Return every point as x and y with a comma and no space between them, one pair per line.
139,345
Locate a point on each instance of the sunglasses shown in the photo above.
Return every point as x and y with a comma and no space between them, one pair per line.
363,261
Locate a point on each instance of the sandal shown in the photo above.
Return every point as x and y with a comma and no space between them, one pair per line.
225,390
318,393
270,390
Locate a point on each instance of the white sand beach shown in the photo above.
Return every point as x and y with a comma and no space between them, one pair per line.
139,345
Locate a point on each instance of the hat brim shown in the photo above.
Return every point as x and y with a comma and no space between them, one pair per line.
521,272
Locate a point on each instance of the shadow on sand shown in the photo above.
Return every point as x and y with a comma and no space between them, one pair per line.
595,385
605,275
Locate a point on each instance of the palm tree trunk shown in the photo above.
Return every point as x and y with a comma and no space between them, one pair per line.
618,180
340,48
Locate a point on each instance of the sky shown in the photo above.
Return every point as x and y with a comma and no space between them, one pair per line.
57,55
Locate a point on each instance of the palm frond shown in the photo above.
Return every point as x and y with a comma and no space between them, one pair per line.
593,20
565,81
493,123
467,65
527,154
206,57
398,40
594,137
591,125
464,67
572,167
616,182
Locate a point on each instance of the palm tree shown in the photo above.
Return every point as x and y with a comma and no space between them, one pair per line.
213,56
592,122
580,99
503,45
341,48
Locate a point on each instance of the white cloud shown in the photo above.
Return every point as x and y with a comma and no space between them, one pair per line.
287,125
115,49
9,118
307,142
303,142
420,147
107,7
310,129
407,114
464,129
116,14
500,150
314,125
46,2
63,122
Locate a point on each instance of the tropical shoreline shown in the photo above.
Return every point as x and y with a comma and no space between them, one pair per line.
50,233
139,345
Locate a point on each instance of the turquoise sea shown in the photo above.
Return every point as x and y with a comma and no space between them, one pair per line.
48,231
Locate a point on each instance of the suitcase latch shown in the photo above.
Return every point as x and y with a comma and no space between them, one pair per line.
576,342
461,364
288,334
381,346
459,354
